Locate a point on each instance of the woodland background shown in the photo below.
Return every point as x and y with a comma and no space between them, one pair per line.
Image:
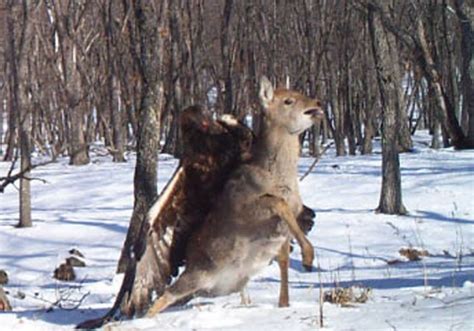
91,90
74,73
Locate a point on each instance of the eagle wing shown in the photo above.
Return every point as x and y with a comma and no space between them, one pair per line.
212,149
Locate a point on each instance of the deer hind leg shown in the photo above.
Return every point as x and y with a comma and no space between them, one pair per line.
161,304
281,208
284,263
186,285
245,297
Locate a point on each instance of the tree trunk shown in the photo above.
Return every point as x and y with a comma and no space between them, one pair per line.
113,90
447,112
315,140
436,138
404,140
25,189
226,57
405,143
22,116
349,112
117,127
467,66
382,50
11,135
175,98
369,130
338,131
145,178
13,112
77,141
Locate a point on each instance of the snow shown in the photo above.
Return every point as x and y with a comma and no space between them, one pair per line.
89,208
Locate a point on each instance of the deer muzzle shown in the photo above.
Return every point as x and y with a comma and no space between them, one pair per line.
314,112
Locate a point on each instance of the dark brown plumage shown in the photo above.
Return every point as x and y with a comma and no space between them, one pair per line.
211,151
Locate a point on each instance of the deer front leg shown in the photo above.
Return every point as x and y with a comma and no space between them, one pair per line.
284,263
307,249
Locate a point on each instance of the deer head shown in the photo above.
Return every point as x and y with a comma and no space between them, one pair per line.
288,109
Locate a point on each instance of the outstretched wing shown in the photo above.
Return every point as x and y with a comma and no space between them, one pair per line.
212,149
151,270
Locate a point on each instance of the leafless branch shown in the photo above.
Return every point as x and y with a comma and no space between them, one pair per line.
316,160
11,179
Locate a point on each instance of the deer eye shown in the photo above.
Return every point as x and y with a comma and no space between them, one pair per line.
289,101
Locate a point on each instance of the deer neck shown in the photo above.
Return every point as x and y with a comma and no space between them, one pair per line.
277,151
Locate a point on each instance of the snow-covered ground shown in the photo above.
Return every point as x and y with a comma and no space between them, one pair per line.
89,207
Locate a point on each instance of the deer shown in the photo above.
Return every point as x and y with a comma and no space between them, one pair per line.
212,149
253,219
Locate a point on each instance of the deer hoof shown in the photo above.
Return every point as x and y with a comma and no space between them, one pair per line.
307,267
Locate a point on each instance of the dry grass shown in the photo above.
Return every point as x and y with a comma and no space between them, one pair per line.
347,296
413,254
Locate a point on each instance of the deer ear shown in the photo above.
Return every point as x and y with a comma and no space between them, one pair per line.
266,91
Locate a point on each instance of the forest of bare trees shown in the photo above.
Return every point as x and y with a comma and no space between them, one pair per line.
77,72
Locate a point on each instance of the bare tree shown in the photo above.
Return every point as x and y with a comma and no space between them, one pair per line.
16,44
113,89
383,51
